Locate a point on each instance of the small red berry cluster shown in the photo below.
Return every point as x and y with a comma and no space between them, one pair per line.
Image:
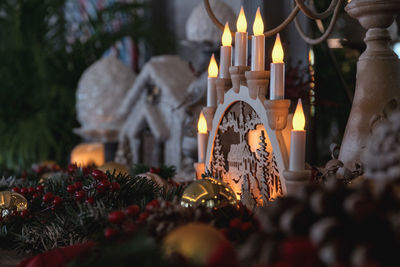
239,227
127,221
97,186
36,195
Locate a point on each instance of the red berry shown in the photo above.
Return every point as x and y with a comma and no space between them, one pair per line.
80,195
24,214
132,210
98,175
115,186
103,186
36,196
155,170
235,223
40,188
71,189
72,168
110,233
143,216
116,216
89,200
48,197
31,190
16,190
78,185
152,204
24,190
57,201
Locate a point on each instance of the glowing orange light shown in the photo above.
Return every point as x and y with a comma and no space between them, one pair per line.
311,57
298,119
213,67
226,36
258,26
277,51
88,153
202,124
241,23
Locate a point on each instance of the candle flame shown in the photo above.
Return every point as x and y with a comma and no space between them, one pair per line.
213,67
298,119
277,51
311,56
241,23
258,26
226,36
202,124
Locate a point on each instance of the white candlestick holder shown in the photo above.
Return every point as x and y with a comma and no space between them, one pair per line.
257,82
238,76
209,115
223,85
277,112
295,180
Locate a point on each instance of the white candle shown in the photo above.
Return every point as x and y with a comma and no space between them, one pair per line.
277,85
226,53
212,77
258,44
298,140
241,40
202,138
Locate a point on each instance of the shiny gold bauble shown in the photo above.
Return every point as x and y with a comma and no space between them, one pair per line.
10,201
208,192
111,166
195,241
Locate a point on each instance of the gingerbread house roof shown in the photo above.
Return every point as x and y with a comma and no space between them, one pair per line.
169,73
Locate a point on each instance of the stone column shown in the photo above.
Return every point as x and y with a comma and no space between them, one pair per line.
378,74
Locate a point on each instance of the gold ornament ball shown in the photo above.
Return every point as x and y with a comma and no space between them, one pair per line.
12,201
194,241
111,166
208,192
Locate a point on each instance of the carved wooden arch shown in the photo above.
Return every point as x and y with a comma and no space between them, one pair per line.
275,137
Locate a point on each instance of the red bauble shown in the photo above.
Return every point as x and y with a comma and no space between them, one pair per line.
89,200
78,185
116,216
98,175
40,188
110,233
80,195
57,201
71,188
24,190
132,210
115,186
31,190
143,216
16,190
48,197
72,168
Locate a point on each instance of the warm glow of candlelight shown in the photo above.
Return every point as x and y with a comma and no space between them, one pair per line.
258,26
277,51
202,124
311,57
298,119
227,36
241,23
213,67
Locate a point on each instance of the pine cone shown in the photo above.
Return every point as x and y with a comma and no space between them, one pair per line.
382,159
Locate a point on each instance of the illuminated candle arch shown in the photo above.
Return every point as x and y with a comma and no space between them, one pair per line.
276,138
